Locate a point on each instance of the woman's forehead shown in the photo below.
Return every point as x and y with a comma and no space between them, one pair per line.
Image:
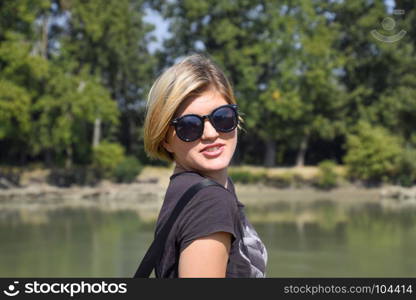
202,105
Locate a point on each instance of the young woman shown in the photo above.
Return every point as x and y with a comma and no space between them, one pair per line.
192,120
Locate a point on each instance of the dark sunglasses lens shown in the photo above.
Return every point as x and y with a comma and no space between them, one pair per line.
225,119
189,128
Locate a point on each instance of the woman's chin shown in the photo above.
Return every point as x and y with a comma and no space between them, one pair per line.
215,165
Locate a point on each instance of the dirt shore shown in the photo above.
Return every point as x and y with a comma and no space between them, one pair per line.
145,196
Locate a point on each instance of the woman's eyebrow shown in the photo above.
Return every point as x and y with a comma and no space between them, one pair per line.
202,114
193,113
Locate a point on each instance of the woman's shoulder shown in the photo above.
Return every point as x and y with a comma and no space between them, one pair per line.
184,180
185,174
181,182
209,200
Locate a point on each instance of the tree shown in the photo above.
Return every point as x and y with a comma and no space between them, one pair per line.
373,153
21,74
46,106
70,103
110,38
379,77
283,73
315,108
373,68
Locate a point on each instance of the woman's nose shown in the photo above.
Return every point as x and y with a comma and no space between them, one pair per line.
209,131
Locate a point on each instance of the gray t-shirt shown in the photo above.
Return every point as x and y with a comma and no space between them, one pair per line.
212,209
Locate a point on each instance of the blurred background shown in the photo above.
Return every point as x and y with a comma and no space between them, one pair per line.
326,162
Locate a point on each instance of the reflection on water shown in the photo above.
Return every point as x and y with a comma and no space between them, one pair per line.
364,241
318,239
78,243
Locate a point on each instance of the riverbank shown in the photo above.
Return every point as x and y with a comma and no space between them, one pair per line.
145,195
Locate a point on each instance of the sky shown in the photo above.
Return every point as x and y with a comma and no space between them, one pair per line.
161,29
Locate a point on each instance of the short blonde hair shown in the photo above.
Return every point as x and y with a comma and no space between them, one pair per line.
187,79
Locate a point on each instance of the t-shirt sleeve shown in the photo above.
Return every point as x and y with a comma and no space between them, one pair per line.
211,210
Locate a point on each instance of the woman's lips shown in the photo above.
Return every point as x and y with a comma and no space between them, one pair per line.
209,153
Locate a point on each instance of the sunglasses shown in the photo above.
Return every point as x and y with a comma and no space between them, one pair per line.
191,127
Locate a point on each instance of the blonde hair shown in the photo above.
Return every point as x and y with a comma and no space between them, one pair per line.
189,78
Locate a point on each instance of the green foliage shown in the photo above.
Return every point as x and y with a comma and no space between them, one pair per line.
70,101
372,153
14,109
242,176
280,53
302,71
20,77
327,177
127,170
283,180
50,97
113,45
106,157
407,168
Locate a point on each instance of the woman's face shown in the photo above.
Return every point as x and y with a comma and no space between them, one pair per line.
196,155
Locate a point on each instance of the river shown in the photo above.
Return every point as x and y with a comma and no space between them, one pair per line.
308,238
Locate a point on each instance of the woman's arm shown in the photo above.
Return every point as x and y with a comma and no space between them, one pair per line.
206,257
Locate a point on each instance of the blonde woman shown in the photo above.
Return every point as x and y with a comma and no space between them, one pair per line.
192,120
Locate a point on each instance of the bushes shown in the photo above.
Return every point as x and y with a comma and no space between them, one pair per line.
372,154
106,156
109,162
127,170
327,177
246,176
283,180
406,171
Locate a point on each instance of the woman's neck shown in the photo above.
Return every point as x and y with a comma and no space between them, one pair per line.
220,176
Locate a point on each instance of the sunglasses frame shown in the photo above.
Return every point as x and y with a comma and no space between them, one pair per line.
176,121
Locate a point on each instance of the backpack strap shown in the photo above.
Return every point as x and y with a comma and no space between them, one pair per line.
155,251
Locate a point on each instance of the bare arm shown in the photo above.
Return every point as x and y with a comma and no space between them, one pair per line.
206,257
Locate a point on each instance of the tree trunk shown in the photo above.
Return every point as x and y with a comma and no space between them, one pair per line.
68,160
270,157
97,132
300,159
48,158
23,157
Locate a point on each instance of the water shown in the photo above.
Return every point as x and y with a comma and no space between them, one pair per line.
74,243
368,241
322,239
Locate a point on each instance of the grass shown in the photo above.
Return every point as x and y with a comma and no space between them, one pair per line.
245,174
280,177
306,172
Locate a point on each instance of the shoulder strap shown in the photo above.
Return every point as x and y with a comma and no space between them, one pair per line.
155,251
